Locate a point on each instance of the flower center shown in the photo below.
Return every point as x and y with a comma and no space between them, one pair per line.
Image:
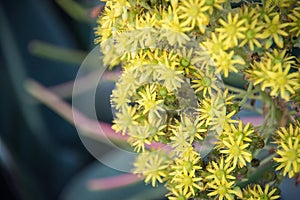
206,81
187,180
264,197
273,28
291,155
277,60
194,11
250,34
192,130
181,197
235,150
281,80
222,190
238,134
209,2
185,62
220,173
231,30
188,165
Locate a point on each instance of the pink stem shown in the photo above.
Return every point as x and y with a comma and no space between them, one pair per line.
113,182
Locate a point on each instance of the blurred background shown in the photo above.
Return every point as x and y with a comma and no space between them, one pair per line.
42,44
46,41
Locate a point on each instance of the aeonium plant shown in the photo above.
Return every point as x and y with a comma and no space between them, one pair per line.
174,55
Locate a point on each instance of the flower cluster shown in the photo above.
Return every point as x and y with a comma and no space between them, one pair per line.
174,55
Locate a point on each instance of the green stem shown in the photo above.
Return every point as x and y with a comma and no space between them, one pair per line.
245,98
53,52
234,89
75,10
267,159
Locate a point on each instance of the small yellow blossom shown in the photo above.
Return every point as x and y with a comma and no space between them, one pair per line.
125,119
244,132
289,157
257,193
233,29
152,165
222,189
252,34
148,101
192,13
236,152
179,194
248,14
226,62
205,83
275,29
219,170
281,57
279,79
190,163
283,134
214,4
188,181
295,21
174,30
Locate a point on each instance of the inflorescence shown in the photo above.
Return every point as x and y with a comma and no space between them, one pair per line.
174,55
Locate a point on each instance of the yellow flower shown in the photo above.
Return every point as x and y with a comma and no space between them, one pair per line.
138,138
226,62
187,180
214,45
248,13
284,134
236,152
148,101
152,165
283,82
190,163
192,13
125,119
187,61
174,30
279,79
280,3
295,21
146,31
179,142
289,157
166,70
274,29
244,132
222,121
281,57
119,98
179,194
217,4
222,189
257,193
205,83
140,135
252,34
209,109
232,30
218,170
194,129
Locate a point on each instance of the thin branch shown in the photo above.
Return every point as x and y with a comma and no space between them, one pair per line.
89,127
113,182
